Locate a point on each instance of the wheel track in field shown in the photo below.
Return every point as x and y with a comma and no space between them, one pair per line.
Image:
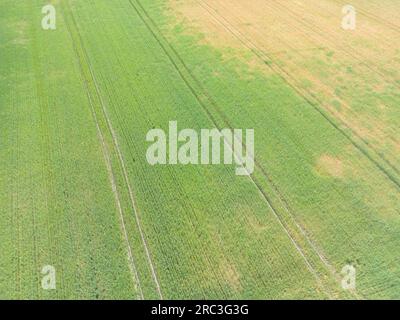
204,95
120,157
306,95
107,157
374,150
323,258
361,58
302,229
358,10
371,67
289,210
376,6
109,171
364,141
376,70
375,17
387,40
178,186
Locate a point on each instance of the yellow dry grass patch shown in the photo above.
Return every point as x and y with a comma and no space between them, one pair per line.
193,14
21,38
256,225
330,166
305,38
230,274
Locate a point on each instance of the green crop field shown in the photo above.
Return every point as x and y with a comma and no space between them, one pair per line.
79,195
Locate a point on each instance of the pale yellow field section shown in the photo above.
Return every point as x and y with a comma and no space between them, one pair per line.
352,75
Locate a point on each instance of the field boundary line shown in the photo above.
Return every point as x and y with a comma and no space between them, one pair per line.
106,155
